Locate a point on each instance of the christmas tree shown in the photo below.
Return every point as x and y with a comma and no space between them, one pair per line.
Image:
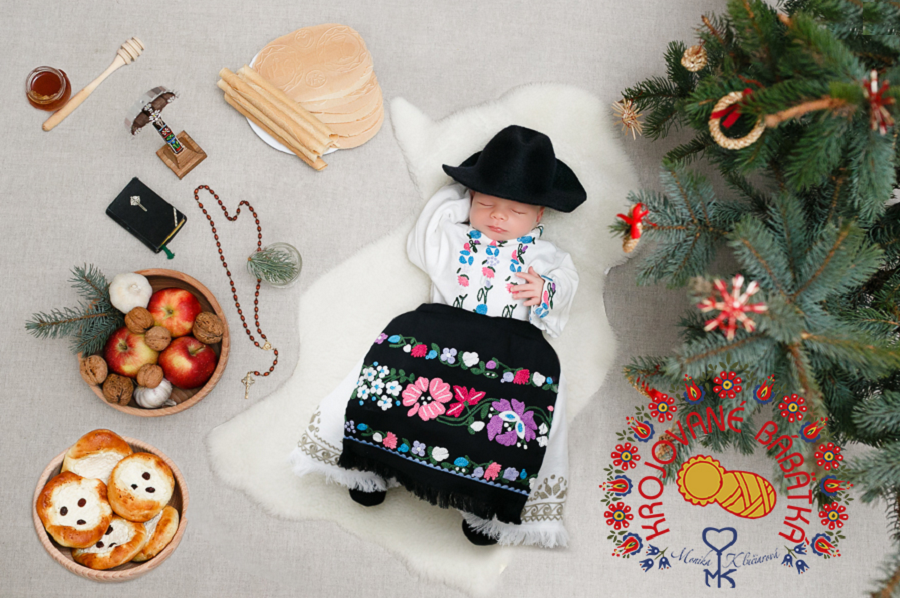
795,108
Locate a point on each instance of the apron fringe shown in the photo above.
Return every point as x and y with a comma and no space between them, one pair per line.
436,496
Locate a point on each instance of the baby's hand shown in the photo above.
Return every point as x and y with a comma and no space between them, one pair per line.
531,290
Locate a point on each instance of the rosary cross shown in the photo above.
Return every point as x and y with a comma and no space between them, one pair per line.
247,381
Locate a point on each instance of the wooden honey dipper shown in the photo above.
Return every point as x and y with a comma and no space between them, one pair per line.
126,54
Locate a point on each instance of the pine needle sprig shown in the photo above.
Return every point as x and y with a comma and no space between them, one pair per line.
90,284
877,472
687,223
690,151
880,414
887,234
274,265
57,323
645,370
90,324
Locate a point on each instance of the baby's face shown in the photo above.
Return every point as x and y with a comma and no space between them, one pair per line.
502,219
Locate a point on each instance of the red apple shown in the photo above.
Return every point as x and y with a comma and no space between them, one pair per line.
126,352
188,363
175,309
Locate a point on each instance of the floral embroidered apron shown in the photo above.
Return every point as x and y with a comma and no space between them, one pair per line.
456,406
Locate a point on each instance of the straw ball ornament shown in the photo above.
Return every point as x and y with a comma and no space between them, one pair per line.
694,58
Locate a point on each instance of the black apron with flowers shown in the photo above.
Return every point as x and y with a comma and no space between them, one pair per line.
456,406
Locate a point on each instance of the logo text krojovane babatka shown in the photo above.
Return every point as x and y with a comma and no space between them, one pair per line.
639,467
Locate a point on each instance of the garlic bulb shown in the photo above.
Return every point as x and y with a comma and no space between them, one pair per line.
151,398
129,290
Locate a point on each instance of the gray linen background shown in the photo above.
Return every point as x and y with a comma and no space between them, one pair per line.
442,57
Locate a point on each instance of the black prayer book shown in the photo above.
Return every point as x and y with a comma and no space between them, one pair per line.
146,215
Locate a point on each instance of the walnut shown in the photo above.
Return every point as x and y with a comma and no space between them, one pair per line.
93,370
149,376
117,389
138,320
158,338
208,328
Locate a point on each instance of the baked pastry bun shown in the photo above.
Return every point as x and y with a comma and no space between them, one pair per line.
140,485
160,531
95,454
120,542
74,510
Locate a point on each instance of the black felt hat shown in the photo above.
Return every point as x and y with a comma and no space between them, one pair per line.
519,164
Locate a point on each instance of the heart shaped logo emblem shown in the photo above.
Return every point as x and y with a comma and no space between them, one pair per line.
719,539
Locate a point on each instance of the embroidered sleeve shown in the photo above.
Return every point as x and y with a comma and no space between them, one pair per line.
432,243
560,283
547,293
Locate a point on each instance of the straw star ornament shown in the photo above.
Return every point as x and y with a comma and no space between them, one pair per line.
732,306
629,116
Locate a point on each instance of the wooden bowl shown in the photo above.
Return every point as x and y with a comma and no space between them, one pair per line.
130,570
163,279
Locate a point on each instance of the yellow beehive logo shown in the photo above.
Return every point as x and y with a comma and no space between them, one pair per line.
703,480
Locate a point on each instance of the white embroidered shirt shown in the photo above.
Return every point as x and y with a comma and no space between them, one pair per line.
470,271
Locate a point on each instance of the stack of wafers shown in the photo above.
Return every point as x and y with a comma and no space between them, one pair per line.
328,71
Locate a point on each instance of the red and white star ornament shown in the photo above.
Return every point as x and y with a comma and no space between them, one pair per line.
879,117
733,306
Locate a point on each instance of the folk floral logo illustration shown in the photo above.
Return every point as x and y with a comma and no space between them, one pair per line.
667,444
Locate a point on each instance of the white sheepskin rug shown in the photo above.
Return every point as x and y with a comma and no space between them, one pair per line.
251,451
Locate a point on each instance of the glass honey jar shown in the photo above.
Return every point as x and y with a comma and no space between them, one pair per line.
47,88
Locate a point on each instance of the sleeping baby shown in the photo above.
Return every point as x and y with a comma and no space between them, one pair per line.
462,400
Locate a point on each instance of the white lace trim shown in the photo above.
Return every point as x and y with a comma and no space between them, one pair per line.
367,481
546,535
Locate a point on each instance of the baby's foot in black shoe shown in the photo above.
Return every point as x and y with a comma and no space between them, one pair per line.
368,499
475,537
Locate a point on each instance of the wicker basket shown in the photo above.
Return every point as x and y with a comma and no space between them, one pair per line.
162,279
130,570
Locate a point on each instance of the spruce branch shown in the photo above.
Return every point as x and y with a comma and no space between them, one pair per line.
817,152
830,262
876,360
877,472
643,371
754,20
59,322
713,30
880,415
90,283
823,265
694,359
690,151
273,264
757,250
91,324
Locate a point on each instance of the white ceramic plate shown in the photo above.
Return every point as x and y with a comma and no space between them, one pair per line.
271,140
